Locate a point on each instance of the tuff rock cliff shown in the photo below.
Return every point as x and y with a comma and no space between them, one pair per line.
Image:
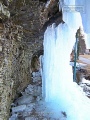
22,25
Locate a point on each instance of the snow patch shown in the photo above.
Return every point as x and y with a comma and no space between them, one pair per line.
47,4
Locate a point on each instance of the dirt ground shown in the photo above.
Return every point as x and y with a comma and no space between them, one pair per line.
85,56
87,67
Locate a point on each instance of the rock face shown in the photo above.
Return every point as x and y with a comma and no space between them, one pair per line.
14,65
21,38
26,14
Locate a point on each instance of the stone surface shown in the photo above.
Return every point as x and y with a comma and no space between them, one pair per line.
15,57
25,105
0,48
31,118
21,38
14,116
24,100
18,108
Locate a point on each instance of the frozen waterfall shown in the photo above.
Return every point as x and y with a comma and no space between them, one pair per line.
58,86
76,13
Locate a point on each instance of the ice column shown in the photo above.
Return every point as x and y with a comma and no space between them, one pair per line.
58,86
76,13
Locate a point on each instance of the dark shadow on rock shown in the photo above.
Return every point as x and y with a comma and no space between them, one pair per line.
57,19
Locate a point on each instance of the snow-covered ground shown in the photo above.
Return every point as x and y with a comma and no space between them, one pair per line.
79,65
85,84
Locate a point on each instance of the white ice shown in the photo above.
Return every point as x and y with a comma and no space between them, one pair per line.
59,90
18,108
85,81
76,12
85,13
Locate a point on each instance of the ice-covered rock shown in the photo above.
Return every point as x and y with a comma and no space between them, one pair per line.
18,108
36,74
26,104
31,118
30,107
29,89
13,117
24,100
33,74
34,90
36,79
26,113
38,98
13,105
37,90
45,119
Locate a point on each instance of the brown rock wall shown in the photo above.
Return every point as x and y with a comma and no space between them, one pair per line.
20,39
